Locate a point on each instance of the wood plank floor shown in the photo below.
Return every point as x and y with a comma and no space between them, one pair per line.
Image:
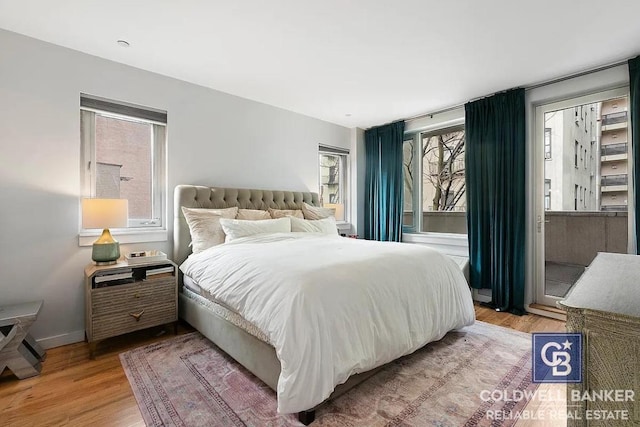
74,390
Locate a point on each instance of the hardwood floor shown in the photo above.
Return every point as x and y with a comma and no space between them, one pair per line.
74,390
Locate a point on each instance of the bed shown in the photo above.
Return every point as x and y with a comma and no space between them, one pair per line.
300,349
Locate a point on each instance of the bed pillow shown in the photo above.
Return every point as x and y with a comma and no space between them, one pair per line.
315,212
204,226
237,228
253,214
325,226
282,213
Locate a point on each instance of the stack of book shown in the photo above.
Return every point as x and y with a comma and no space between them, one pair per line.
159,271
112,278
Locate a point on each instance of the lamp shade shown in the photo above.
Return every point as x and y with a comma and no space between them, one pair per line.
338,209
105,213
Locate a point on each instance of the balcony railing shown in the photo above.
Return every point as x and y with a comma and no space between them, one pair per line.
610,208
614,118
613,149
565,233
610,180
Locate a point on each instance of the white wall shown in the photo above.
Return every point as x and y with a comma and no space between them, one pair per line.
213,139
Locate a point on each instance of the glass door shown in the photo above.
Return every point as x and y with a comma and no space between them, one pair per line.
582,172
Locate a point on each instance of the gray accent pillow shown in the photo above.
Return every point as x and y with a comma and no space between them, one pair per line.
204,226
316,212
253,214
283,213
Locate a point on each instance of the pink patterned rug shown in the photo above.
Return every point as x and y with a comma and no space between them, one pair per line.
187,381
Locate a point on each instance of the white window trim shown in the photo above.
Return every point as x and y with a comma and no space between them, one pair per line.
428,124
449,243
580,85
158,233
345,186
87,237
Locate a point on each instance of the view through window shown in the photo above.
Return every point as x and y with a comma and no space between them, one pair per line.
435,162
586,165
595,139
333,180
124,163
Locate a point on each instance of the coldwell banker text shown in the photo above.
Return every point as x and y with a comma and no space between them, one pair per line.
559,396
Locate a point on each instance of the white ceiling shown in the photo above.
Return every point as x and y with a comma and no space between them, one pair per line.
375,60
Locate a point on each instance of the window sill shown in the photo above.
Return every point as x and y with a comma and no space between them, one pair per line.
449,243
86,238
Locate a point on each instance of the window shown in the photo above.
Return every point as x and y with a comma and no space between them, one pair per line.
547,194
434,175
547,143
575,155
123,156
333,179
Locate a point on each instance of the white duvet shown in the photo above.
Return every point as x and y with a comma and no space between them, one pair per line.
333,306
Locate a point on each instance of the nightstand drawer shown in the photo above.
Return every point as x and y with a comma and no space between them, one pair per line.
128,297
134,318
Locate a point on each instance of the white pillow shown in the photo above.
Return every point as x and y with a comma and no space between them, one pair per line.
237,228
204,226
315,212
325,226
253,214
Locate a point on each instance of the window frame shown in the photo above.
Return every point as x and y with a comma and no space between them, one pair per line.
547,143
547,194
343,178
138,230
417,135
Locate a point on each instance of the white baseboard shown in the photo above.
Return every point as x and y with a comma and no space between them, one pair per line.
545,313
63,339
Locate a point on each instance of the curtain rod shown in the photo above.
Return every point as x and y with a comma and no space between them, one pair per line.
526,88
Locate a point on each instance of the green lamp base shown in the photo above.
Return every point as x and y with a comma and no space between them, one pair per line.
106,250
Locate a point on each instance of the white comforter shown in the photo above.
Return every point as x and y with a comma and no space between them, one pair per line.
333,306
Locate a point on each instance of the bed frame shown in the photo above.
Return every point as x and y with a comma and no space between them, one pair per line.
255,355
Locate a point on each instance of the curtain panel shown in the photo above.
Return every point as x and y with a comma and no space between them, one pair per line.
383,182
634,108
495,180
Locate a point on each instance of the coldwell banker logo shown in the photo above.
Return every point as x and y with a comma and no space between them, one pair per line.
557,358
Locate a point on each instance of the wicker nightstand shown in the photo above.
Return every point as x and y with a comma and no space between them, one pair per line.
123,298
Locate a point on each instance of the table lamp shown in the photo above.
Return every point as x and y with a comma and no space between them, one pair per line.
338,209
105,214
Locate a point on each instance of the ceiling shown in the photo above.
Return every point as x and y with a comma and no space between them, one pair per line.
356,63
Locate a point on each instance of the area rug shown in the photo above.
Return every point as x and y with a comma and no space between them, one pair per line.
188,381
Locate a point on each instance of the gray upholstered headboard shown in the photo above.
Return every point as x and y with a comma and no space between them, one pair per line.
196,196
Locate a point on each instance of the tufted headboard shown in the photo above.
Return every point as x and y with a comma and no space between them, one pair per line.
196,196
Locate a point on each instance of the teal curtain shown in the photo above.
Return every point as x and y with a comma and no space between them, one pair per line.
634,108
383,182
495,182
